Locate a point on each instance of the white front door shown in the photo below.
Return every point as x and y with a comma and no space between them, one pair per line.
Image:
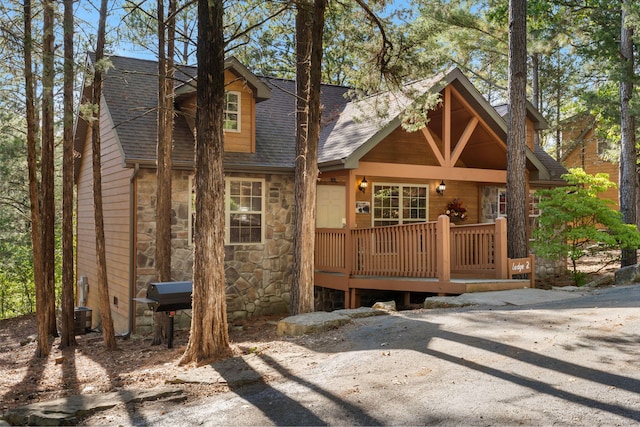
330,206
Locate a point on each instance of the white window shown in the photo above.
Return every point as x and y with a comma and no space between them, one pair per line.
244,211
232,112
399,204
534,210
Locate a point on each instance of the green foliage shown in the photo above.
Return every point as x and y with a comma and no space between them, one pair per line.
575,222
17,289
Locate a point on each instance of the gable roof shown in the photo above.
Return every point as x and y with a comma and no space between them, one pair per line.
262,91
555,168
539,122
351,137
130,94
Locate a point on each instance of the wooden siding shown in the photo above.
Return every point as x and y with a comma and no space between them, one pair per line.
245,140
467,192
115,184
402,147
585,155
530,134
240,142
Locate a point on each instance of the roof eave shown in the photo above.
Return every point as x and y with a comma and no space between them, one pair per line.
263,92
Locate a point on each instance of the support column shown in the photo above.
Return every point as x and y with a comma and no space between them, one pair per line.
443,249
500,250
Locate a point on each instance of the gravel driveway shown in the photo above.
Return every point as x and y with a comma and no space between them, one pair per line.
573,362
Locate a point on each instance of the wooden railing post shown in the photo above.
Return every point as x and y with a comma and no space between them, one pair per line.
500,249
443,249
348,252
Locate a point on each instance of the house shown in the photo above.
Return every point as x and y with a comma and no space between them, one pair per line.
582,148
373,175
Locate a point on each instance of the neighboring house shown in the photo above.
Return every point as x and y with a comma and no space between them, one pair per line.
463,147
584,149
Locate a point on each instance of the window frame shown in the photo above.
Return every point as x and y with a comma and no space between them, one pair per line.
401,208
227,209
228,112
533,212
228,212
499,203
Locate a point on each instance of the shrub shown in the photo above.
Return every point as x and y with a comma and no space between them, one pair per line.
574,222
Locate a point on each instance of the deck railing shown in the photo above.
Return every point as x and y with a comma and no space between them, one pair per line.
400,250
330,250
473,248
414,250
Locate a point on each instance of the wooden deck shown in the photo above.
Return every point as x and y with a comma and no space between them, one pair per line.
436,257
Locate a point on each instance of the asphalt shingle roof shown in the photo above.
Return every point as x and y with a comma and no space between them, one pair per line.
130,91
361,120
556,170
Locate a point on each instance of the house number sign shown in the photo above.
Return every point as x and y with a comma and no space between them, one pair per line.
520,265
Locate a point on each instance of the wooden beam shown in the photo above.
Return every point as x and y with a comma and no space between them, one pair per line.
432,172
484,124
433,144
405,285
464,139
446,125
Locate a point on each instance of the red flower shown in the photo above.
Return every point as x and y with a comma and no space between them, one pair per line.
455,210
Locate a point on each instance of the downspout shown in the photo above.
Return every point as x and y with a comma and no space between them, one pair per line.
132,245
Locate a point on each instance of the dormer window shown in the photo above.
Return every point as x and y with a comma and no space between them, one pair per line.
232,112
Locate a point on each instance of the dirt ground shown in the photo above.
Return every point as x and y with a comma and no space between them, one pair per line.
88,368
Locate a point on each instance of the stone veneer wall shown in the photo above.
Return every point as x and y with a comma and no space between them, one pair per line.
258,277
489,204
550,269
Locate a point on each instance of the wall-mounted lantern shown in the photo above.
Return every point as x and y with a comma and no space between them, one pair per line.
440,188
363,184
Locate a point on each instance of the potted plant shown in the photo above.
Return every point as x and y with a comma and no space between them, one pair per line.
456,211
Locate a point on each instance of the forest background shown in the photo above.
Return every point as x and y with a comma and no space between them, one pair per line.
573,52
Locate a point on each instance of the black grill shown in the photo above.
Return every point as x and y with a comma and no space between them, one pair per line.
168,297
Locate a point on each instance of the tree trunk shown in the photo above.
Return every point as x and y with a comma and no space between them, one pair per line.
535,90
34,194
164,150
628,154
68,337
559,88
108,333
309,30
209,338
518,244
47,168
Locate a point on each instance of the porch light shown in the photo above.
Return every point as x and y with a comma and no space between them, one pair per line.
363,184
440,188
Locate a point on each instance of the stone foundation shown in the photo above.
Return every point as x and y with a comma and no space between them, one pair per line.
550,269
